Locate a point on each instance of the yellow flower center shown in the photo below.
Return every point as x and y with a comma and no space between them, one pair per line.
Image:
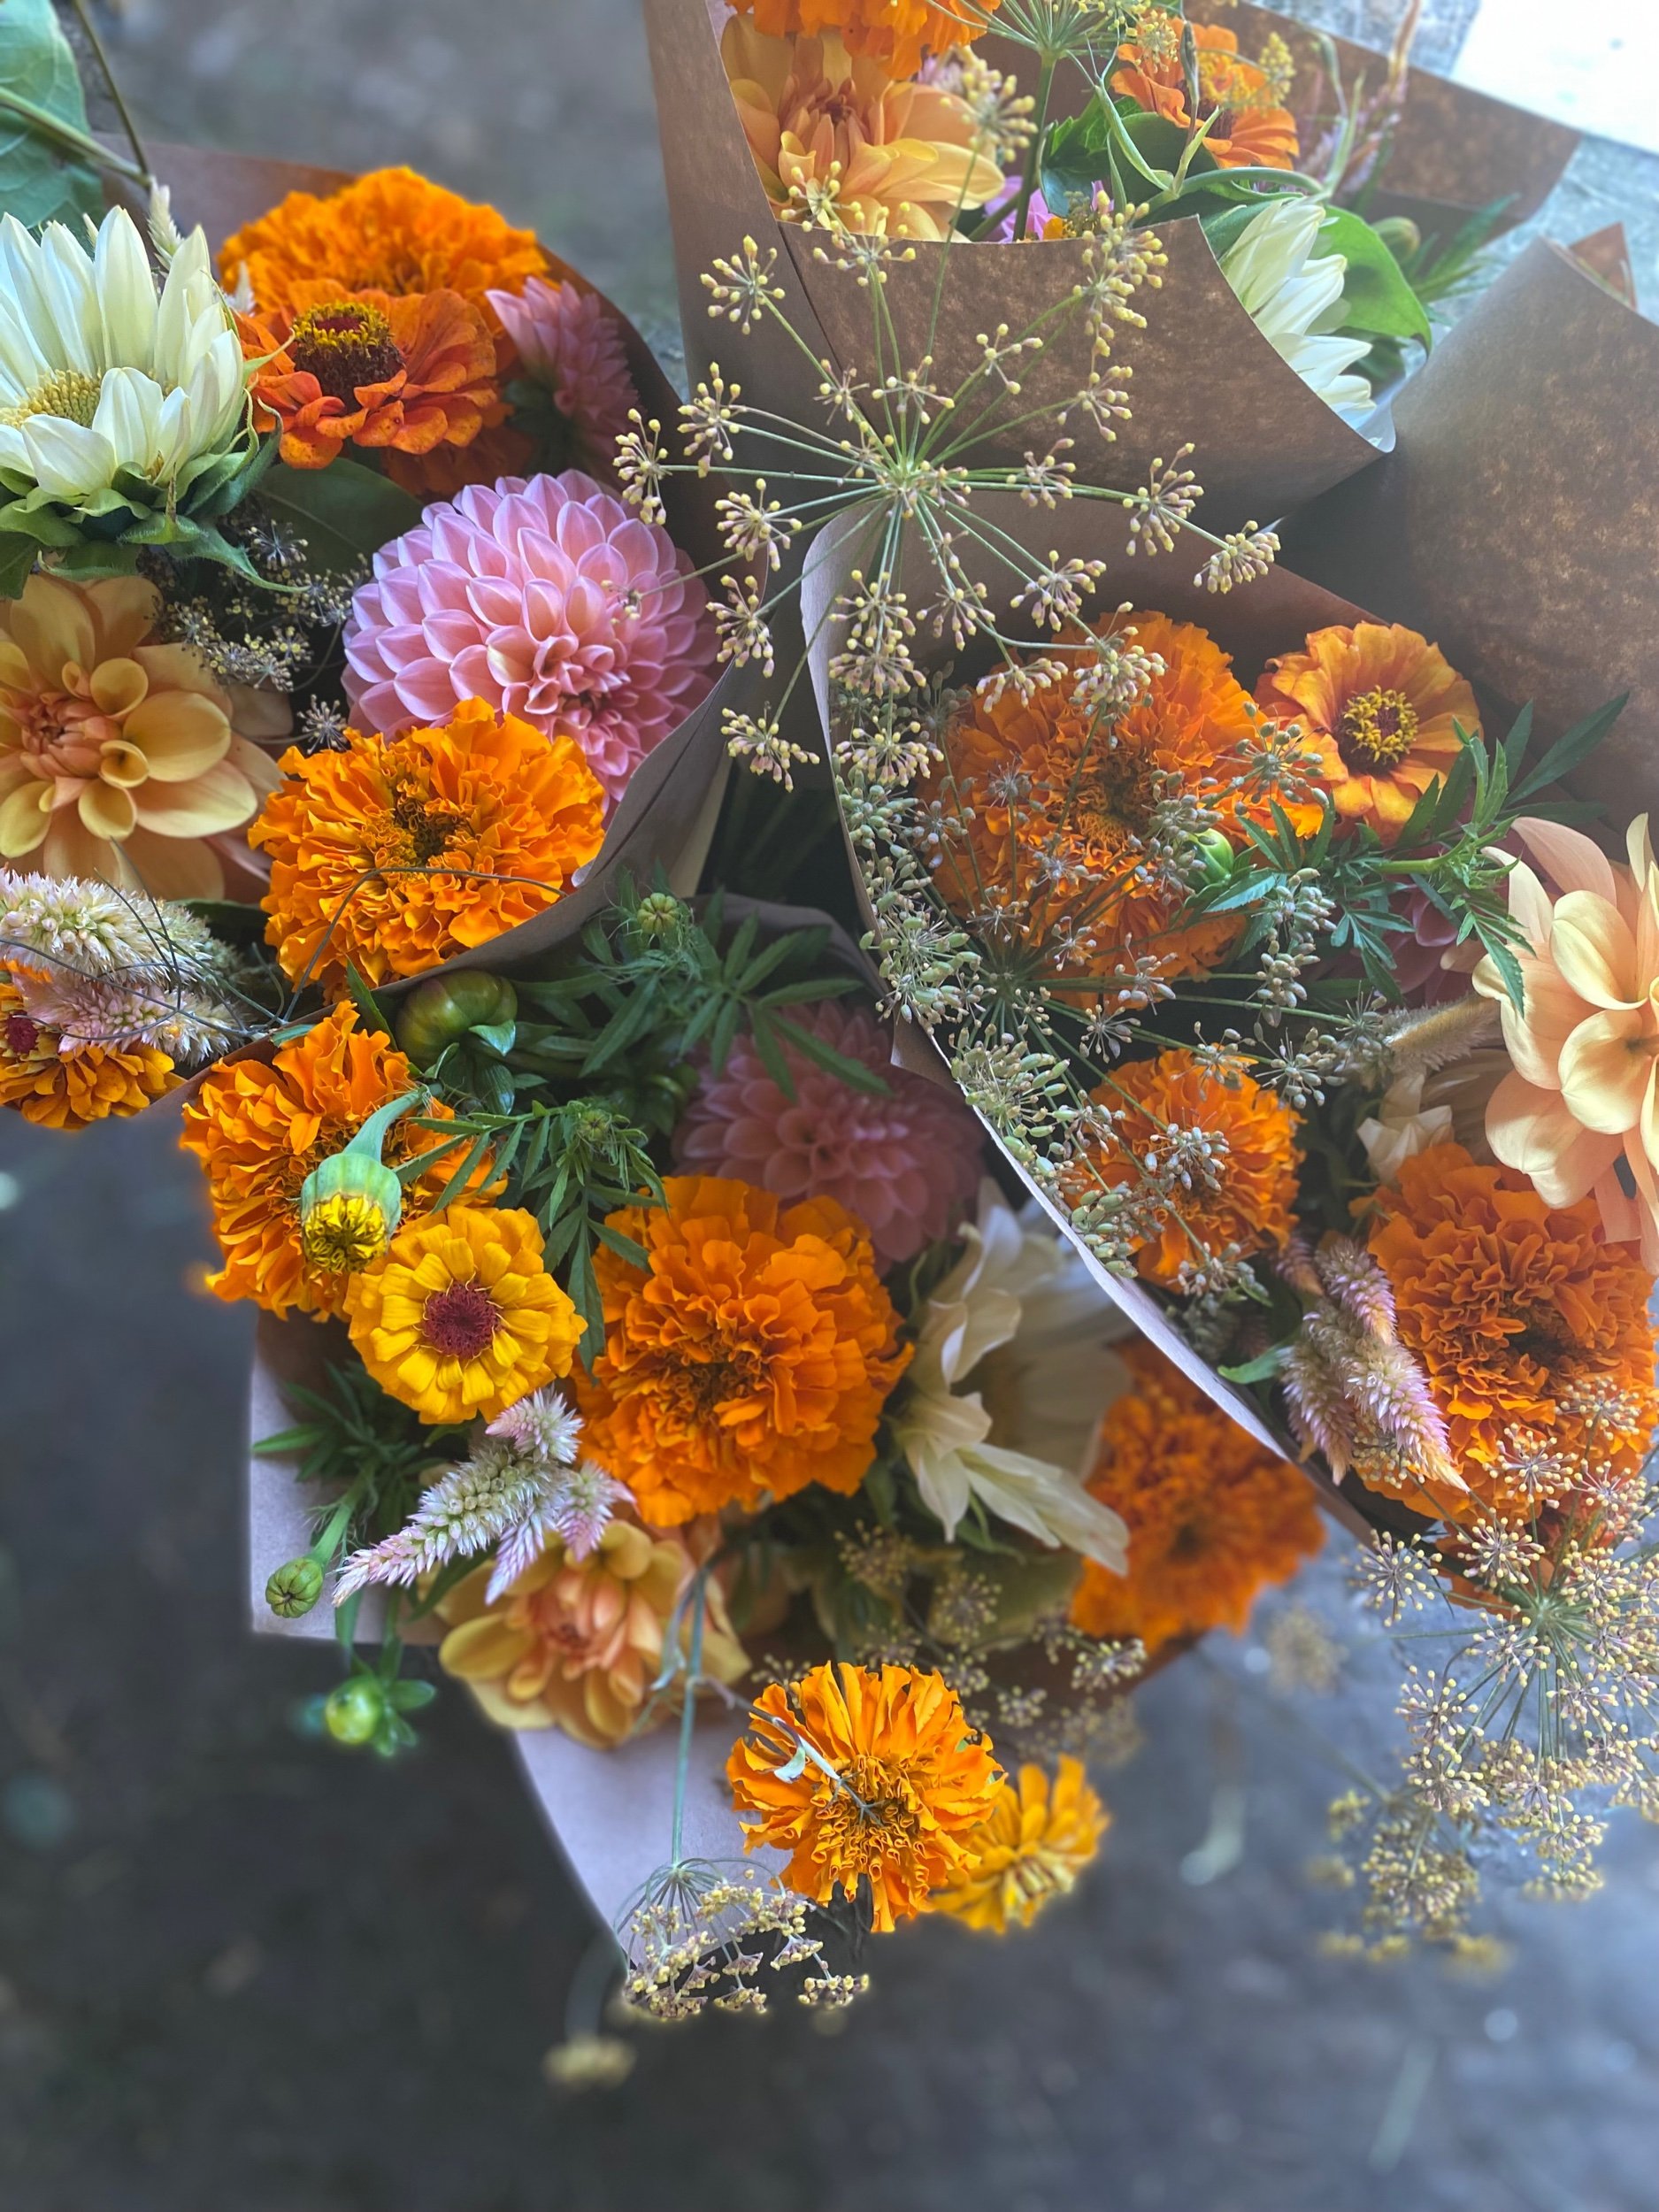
69,394
344,345
344,1233
1378,730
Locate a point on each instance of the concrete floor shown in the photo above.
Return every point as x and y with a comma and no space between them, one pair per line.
238,1971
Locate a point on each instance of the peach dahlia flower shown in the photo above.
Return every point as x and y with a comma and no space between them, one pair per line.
1579,1110
907,154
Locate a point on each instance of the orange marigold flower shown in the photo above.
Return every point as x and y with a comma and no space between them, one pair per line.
390,231
894,1784
67,1090
1045,809
1250,1202
461,1318
577,1644
1212,1517
1525,1319
479,824
897,32
1032,1846
260,1126
368,369
1250,131
1381,706
750,1356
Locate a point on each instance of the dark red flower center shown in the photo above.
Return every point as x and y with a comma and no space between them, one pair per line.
20,1035
459,1321
344,346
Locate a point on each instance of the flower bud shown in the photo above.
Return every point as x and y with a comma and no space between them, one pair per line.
349,1207
658,915
354,1712
1400,234
295,1588
440,1010
1214,855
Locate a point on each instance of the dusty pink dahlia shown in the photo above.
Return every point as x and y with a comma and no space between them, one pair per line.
905,1163
545,597
571,343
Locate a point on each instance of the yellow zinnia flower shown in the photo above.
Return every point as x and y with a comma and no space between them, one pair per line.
462,1318
1034,1842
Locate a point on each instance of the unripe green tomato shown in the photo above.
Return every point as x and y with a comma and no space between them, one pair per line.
355,1710
445,1007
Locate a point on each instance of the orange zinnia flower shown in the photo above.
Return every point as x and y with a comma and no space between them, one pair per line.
479,825
67,1090
260,1126
1250,1204
1213,1519
1525,1321
751,1356
1045,809
894,1783
897,32
367,369
1251,131
1382,707
1032,1844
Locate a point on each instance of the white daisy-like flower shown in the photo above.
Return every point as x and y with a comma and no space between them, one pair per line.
1293,295
1020,1320
102,376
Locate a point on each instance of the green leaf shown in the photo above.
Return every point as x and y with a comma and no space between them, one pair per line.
368,1006
1254,1371
40,183
1568,750
17,562
1377,298
344,512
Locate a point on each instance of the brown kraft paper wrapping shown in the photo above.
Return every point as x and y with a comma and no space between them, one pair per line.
1201,372
1516,522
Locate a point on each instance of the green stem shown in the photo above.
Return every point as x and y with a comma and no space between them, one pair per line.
688,1717
140,154
77,141
1028,183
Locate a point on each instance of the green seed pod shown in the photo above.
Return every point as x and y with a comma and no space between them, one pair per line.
355,1711
293,1589
441,1009
1214,856
658,915
1400,234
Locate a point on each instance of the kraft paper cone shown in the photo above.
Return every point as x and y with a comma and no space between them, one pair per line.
1252,623
1201,372
1516,522
1454,150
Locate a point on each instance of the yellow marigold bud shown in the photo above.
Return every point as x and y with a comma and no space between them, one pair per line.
295,1588
349,1208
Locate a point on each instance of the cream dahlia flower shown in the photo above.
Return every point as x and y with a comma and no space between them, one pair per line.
906,158
1019,1319
1579,1110
1293,295
102,378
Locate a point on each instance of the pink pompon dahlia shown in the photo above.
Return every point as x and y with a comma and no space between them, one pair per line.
546,597
904,1162
570,341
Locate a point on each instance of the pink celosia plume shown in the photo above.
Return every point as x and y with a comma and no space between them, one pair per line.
549,599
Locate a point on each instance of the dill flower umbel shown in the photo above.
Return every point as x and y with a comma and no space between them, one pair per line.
1212,1154
897,32
1030,1848
904,1162
549,599
1250,131
577,1643
1213,1519
1527,1322
462,1318
69,1089
753,1355
864,1774
476,825
903,159
1382,708
119,755
259,1127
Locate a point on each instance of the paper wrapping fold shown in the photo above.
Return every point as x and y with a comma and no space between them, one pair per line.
1201,369
1516,522
1454,150
1252,623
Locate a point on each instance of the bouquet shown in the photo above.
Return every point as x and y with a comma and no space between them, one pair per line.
329,652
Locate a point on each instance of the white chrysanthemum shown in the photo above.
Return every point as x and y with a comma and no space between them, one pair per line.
1293,295
1020,1318
101,376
